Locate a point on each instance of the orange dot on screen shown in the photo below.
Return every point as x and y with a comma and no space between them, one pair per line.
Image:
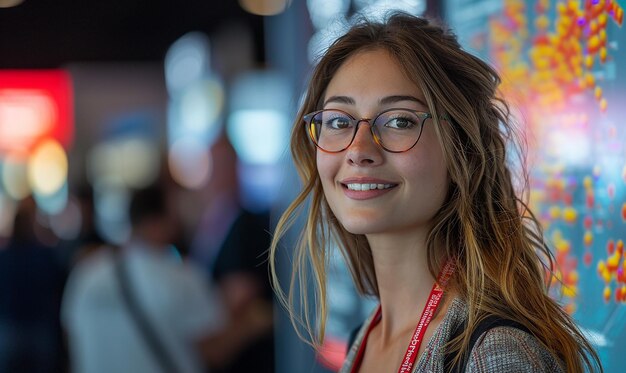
610,247
607,293
588,238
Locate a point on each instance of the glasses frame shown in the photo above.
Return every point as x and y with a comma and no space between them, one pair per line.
308,120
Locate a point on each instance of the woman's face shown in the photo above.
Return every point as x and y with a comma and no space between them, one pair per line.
414,183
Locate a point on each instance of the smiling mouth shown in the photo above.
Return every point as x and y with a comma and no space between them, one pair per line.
368,186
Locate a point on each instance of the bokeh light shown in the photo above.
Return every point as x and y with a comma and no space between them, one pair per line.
25,116
258,135
15,177
194,110
67,223
35,105
258,125
187,61
378,9
132,162
324,12
10,3
265,7
47,167
52,203
190,163
139,161
7,212
201,105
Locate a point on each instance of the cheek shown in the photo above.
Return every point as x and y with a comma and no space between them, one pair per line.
327,167
440,179
428,171
432,154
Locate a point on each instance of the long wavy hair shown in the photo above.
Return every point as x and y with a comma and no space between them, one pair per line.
503,265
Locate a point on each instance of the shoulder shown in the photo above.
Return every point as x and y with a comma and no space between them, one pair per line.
509,349
91,268
90,281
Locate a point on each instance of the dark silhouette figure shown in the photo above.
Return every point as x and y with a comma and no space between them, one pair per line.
31,285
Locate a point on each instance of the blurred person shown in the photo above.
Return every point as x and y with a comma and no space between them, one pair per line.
31,284
241,272
88,234
231,242
139,308
89,239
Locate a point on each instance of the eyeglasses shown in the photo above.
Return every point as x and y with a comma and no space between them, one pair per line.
395,130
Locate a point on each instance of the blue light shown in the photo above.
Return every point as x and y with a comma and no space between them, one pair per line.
187,61
259,135
379,9
53,203
323,12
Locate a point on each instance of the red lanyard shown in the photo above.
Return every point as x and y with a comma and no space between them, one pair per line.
416,340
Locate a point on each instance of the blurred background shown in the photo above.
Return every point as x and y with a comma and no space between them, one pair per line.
100,100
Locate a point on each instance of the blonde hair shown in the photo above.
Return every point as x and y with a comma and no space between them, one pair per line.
484,225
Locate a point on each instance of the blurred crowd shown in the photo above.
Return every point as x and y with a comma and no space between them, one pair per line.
174,297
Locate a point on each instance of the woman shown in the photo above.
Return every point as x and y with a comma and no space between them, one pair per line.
402,146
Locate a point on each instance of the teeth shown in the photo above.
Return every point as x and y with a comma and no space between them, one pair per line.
355,186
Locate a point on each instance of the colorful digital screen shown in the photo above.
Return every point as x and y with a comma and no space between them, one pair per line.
34,105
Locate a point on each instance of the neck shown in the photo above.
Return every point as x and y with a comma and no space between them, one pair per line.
404,281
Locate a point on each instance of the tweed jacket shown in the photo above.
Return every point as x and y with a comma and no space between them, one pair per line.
501,349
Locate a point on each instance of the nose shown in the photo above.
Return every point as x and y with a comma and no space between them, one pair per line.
364,151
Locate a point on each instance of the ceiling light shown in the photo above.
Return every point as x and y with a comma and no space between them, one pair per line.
265,7
10,3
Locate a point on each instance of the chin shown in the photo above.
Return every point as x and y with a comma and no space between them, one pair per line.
362,222
356,231
360,227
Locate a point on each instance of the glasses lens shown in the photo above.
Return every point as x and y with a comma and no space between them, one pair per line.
399,129
332,130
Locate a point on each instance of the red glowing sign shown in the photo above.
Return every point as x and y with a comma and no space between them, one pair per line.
34,105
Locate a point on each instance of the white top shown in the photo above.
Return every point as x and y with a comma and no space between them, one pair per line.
103,336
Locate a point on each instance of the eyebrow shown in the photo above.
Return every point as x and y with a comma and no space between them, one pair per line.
393,99
340,100
383,101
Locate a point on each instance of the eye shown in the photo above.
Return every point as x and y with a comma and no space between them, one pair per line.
400,122
337,121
